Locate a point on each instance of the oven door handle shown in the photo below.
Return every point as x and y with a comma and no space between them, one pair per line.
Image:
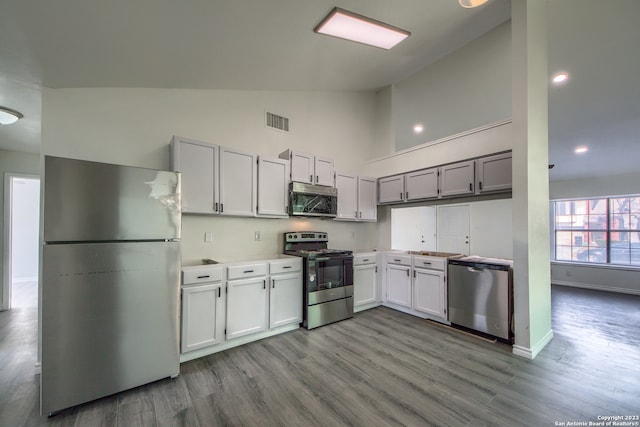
322,259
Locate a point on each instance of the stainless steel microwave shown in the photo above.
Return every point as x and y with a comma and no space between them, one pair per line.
312,200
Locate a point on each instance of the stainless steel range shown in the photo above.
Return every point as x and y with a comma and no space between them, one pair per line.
328,278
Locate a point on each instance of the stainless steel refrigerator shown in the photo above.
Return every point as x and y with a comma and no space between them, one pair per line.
110,280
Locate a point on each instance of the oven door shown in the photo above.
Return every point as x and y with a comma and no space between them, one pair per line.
329,278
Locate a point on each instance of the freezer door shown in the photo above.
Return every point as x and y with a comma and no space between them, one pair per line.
89,201
109,319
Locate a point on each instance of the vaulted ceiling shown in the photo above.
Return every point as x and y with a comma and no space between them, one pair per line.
270,45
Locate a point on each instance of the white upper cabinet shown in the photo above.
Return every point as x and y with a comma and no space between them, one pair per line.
198,164
367,203
422,184
457,179
347,186
493,173
308,168
273,179
238,182
391,189
356,198
324,172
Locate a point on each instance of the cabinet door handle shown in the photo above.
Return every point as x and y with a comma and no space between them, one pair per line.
273,283
221,207
408,274
426,263
216,207
397,260
248,271
219,292
401,196
204,277
480,185
264,284
317,179
406,195
311,179
414,273
365,260
470,186
286,266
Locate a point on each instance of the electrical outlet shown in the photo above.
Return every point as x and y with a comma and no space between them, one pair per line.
257,236
208,236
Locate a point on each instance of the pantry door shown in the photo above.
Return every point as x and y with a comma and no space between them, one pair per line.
453,229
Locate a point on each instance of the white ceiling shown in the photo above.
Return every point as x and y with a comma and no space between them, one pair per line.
270,45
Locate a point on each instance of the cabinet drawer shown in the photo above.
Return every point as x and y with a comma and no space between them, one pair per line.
362,259
201,274
246,270
432,263
399,259
285,265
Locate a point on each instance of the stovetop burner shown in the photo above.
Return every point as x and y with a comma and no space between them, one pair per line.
310,244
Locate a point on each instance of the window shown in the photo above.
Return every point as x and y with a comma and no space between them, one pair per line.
603,230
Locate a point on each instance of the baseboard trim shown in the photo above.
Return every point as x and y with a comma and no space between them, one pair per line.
596,287
531,353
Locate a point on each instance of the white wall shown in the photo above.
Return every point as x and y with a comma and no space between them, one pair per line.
10,161
466,89
25,229
134,127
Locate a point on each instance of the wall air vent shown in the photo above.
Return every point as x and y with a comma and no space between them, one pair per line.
277,122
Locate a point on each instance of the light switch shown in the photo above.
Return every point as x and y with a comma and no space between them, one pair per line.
208,236
257,235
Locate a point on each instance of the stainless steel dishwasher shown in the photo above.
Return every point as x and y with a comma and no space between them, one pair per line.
481,295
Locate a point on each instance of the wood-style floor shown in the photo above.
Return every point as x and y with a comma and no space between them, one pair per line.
382,368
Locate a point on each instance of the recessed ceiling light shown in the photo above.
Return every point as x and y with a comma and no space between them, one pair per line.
351,26
560,78
471,3
418,128
9,116
581,149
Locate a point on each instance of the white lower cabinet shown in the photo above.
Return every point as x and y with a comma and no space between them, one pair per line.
285,299
203,307
247,306
366,293
399,285
247,299
429,292
202,316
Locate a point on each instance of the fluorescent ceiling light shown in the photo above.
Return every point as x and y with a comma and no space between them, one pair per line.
471,3
9,116
351,26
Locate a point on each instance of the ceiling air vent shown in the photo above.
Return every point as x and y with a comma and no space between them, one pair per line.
277,122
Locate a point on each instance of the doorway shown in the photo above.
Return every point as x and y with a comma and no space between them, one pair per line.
453,229
21,246
413,229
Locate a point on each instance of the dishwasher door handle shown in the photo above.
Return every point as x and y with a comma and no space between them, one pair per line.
475,269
